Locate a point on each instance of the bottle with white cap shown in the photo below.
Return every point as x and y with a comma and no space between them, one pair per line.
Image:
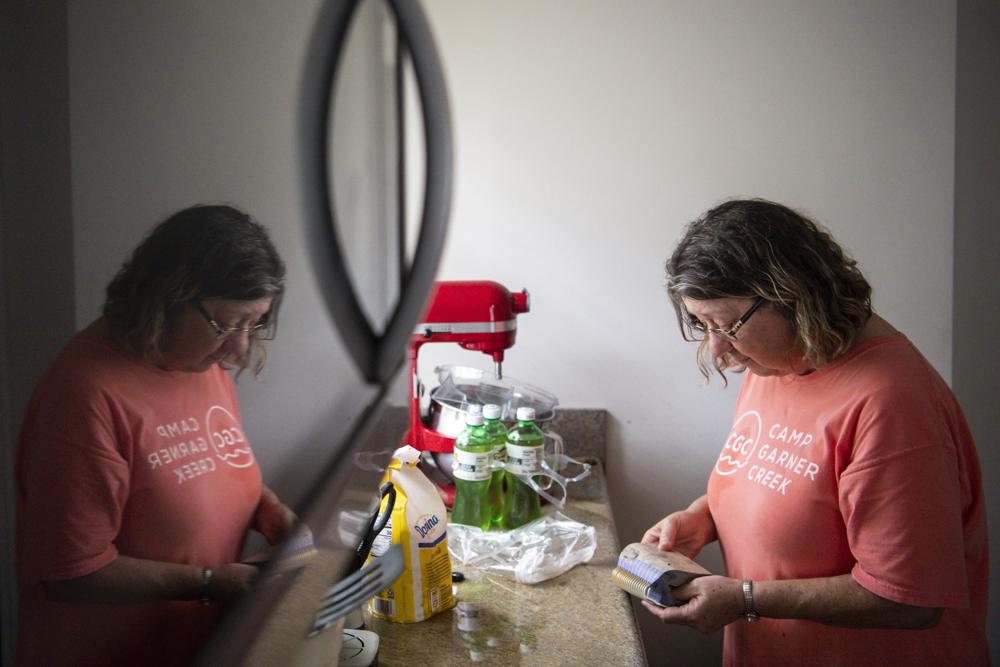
472,468
524,458
498,438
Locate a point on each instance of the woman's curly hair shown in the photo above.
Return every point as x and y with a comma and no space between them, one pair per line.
201,252
754,248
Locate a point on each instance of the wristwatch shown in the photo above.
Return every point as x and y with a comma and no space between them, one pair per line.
749,612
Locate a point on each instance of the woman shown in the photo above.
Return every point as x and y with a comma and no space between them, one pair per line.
847,498
136,485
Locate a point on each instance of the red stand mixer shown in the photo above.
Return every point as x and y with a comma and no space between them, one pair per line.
477,315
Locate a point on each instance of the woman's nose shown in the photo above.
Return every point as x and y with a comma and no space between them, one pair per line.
718,345
238,343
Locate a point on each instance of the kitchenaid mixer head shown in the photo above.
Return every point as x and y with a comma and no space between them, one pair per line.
476,315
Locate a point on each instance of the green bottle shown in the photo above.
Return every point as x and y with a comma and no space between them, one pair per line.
498,438
472,469
524,456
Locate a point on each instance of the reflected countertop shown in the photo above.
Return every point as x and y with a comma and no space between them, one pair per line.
577,618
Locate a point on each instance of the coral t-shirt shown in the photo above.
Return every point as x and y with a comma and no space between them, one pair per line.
865,467
117,456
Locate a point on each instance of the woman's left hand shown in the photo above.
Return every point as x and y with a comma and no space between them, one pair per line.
274,520
712,603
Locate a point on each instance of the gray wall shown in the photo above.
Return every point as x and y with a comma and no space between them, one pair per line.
36,206
976,315
36,236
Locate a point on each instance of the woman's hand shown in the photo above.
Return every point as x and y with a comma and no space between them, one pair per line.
712,603
686,531
273,519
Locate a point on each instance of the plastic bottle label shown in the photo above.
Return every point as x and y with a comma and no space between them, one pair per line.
523,460
472,466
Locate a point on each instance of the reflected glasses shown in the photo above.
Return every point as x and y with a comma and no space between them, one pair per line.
260,331
698,331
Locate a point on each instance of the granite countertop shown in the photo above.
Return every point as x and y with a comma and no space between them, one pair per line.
579,617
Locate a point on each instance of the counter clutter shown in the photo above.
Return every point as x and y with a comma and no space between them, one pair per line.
579,617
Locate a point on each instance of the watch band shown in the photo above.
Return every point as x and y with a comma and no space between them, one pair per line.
206,579
749,612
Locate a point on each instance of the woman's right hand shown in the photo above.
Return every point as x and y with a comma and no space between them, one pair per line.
686,531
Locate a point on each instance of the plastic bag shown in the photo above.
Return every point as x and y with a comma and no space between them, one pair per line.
534,552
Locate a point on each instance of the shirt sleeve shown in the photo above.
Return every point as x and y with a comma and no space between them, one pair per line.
901,501
73,484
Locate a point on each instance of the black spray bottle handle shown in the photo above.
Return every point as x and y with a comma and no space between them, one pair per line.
377,524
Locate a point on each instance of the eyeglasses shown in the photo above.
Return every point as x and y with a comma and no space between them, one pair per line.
699,331
260,331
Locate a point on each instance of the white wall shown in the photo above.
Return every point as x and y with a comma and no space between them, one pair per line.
588,133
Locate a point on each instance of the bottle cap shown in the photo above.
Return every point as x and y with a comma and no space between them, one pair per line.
491,411
473,419
525,414
474,408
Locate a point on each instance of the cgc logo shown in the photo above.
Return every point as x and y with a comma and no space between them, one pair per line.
740,444
227,438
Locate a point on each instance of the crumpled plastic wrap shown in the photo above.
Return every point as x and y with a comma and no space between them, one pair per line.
534,552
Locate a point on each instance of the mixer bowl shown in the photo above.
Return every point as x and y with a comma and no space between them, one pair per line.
462,386
449,420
